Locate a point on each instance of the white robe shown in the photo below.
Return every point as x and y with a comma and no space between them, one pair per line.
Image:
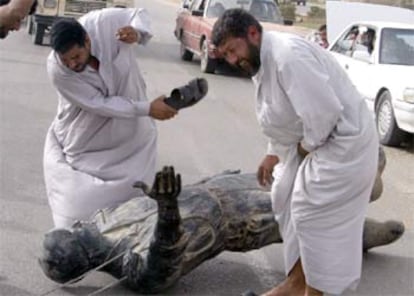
320,202
102,139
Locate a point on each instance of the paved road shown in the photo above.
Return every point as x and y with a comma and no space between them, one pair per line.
217,134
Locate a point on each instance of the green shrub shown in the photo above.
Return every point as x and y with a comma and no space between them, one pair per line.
317,12
288,11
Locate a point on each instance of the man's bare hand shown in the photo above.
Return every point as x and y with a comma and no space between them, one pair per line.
14,12
127,34
264,173
160,110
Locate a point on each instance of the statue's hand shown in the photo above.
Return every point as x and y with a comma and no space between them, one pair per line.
167,185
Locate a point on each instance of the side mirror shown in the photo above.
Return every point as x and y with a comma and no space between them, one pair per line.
197,12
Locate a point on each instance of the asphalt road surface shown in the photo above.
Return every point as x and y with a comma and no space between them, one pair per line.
219,133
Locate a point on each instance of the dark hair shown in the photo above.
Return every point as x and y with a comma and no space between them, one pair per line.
233,23
66,33
32,8
322,28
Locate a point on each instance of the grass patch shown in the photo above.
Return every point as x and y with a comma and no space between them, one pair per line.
315,17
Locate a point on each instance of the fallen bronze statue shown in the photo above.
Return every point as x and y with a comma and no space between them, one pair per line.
151,241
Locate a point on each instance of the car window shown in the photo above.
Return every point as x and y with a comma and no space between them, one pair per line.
397,46
364,44
215,8
346,42
266,11
186,3
197,5
262,10
358,42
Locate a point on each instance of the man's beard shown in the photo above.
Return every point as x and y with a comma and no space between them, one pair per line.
82,67
251,65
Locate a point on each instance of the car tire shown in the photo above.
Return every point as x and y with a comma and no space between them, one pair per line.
207,64
185,54
389,132
38,33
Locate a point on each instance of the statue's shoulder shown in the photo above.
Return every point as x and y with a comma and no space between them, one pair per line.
229,178
232,180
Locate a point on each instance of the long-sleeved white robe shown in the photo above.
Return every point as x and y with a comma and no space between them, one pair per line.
320,202
102,139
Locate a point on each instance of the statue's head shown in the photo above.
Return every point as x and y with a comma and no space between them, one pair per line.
69,253
63,257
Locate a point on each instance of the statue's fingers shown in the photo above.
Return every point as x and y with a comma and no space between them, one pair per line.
177,185
167,176
171,180
165,179
156,187
161,182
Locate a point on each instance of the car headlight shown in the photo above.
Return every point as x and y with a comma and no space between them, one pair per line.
50,3
408,95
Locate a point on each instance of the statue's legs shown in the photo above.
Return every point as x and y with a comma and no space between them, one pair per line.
159,267
378,234
378,186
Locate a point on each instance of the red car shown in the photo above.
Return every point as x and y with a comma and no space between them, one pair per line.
196,18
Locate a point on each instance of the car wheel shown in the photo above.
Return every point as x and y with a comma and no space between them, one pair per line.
389,133
185,54
38,33
207,64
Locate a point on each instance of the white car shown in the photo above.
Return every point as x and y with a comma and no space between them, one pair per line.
379,59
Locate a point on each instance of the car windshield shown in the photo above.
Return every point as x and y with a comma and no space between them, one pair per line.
397,47
262,10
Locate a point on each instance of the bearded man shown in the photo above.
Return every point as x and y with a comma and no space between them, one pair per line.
321,154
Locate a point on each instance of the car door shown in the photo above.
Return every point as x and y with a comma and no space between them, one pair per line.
356,51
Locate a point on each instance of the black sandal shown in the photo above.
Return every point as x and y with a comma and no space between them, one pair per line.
188,95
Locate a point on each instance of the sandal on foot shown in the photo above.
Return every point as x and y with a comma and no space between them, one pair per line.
188,95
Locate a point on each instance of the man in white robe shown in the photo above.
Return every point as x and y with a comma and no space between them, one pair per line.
323,152
103,137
